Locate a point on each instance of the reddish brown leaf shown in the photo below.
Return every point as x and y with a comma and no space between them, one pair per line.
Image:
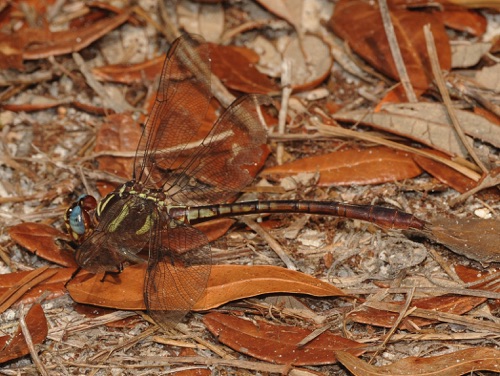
278,343
42,240
464,20
359,23
17,347
367,166
26,287
38,44
132,73
443,173
226,283
453,364
235,66
449,304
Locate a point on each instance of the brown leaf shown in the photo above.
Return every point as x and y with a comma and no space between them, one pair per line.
474,238
130,73
38,44
226,283
16,345
427,123
464,20
310,59
42,240
360,24
235,68
354,166
450,304
278,343
443,173
19,286
453,364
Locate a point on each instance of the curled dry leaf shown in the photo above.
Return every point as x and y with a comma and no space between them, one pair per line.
453,364
42,240
32,44
226,283
14,347
278,343
474,238
360,24
311,61
354,166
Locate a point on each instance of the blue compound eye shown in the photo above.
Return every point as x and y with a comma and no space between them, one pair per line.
76,220
79,216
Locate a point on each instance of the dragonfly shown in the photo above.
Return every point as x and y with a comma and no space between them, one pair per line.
181,178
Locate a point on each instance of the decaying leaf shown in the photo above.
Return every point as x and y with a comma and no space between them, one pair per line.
226,283
278,343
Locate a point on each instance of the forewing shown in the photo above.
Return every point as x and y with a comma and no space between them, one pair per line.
181,105
178,271
222,165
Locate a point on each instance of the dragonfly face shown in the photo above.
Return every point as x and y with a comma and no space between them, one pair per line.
173,167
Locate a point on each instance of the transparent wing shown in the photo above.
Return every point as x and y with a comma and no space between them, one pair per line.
172,154
177,275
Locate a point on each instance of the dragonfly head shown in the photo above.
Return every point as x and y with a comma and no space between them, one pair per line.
79,218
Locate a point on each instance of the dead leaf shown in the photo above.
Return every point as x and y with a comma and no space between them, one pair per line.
354,166
359,23
33,44
278,343
42,240
427,123
474,238
207,20
467,54
14,347
235,66
311,61
443,173
226,283
457,305
26,287
452,364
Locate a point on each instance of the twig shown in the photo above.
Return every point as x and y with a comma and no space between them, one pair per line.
402,314
337,131
271,241
396,51
29,342
118,104
286,77
436,71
